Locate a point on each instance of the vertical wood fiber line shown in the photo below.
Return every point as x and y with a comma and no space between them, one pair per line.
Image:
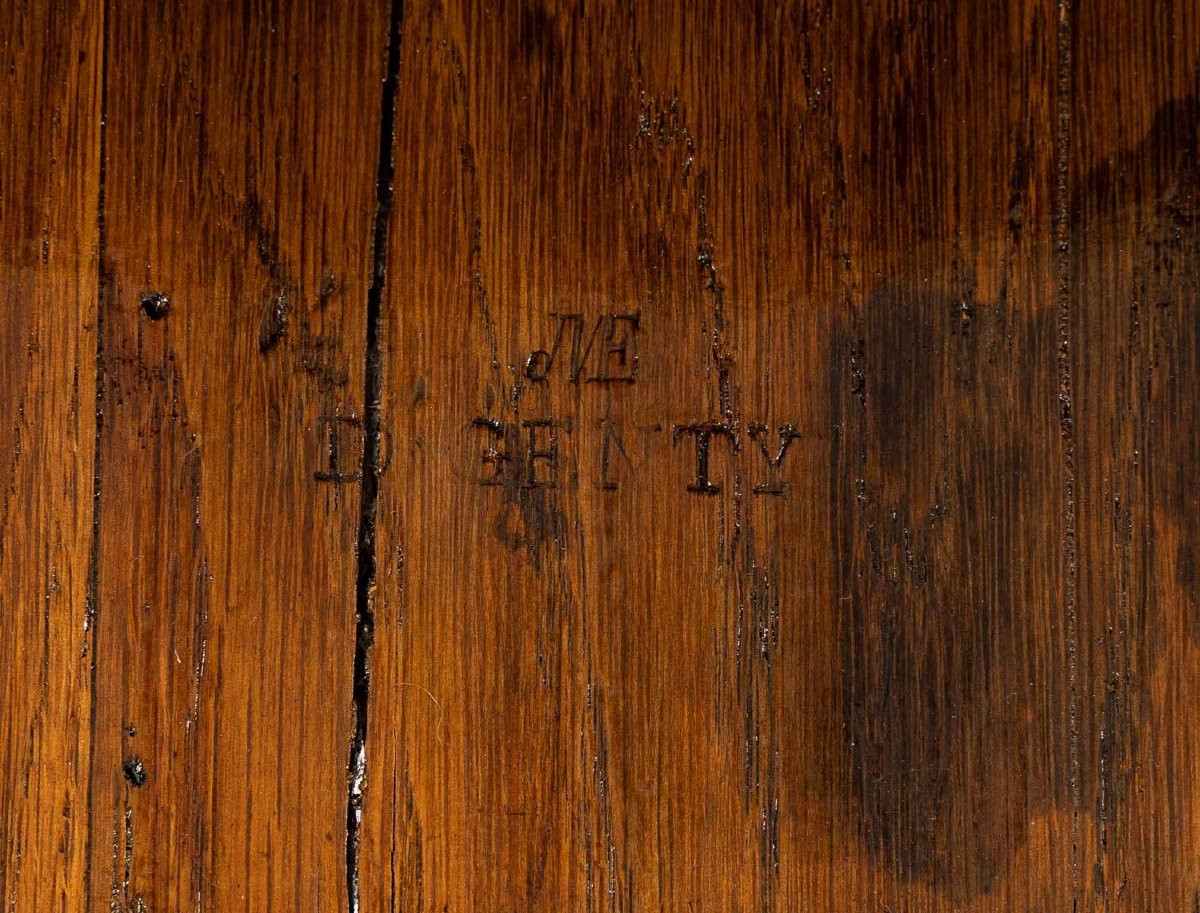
364,631
1065,316
93,592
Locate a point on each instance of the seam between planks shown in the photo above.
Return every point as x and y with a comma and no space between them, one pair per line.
364,633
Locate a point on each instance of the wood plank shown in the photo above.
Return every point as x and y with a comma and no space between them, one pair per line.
1134,331
50,56
599,682
241,162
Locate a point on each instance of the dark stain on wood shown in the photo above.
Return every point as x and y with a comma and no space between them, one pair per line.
940,453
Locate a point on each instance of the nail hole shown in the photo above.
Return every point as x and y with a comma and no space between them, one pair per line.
155,305
135,772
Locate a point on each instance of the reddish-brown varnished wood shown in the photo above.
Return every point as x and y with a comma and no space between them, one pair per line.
50,89
583,456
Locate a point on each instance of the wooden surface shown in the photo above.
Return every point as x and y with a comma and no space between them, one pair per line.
599,456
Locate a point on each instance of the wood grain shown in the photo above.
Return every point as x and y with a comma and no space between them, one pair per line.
50,89
582,456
